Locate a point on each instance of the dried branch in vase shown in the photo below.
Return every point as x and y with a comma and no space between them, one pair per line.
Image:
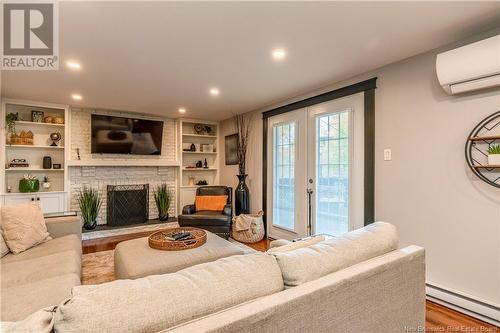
243,127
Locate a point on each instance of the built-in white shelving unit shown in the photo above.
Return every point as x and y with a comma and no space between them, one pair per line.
208,139
53,199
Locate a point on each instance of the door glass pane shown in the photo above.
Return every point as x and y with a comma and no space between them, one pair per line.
332,173
284,175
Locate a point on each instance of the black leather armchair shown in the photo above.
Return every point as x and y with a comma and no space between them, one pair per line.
217,222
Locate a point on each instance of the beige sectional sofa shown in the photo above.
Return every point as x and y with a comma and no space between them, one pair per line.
42,275
359,282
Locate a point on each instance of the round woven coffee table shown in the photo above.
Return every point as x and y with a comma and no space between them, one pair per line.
158,240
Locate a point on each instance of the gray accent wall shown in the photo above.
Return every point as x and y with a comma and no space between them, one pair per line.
427,190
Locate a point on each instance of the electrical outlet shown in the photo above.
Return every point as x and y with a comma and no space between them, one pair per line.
387,155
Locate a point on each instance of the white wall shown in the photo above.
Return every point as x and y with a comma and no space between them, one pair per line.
427,190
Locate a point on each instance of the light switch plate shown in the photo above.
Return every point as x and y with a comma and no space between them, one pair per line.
387,155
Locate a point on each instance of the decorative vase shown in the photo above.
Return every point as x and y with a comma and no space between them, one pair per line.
46,185
163,217
29,185
242,196
91,225
47,162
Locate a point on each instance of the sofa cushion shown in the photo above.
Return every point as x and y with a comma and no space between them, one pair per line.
31,270
4,249
23,226
312,262
18,302
56,245
157,302
63,225
297,245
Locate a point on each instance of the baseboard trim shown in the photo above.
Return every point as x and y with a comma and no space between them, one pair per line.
455,300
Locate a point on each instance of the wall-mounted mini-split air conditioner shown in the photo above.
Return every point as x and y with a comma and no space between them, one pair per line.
470,67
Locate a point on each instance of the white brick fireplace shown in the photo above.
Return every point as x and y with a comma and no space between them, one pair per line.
100,170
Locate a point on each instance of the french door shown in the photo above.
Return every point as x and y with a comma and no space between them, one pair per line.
316,169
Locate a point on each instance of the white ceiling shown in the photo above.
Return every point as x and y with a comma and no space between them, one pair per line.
155,57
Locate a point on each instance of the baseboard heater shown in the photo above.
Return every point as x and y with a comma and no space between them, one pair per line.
471,306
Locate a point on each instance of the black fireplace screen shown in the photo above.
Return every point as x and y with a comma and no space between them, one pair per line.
127,204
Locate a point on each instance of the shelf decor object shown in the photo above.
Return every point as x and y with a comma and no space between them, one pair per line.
10,125
55,137
494,154
29,183
24,138
481,148
47,162
242,193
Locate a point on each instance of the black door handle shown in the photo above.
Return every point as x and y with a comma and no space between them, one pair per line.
37,199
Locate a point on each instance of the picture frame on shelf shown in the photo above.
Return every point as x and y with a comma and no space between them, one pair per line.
37,116
207,148
231,149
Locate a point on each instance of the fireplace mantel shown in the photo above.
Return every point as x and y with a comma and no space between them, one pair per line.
123,163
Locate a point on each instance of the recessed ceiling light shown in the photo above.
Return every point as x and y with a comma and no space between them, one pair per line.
182,110
279,54
73,65
76,97
214,92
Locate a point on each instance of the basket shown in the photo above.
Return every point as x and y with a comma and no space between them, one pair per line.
58,120
248,228
157,240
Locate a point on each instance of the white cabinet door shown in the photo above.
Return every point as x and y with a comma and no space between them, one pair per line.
17,199
51,202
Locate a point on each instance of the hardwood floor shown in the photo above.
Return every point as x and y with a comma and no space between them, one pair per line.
438,318
109,243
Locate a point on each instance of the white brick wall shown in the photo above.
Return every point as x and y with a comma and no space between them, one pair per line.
80,137
99,176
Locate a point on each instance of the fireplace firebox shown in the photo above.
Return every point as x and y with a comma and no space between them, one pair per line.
127,204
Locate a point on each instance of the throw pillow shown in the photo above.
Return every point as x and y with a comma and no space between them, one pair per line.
23,227
298,244
4,249
312,262
214,203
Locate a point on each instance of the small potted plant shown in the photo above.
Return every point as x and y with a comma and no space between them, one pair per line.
10,124
46,183
29,183
494,155
90,202
162,199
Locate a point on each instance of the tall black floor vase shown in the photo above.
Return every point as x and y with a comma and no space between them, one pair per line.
242,196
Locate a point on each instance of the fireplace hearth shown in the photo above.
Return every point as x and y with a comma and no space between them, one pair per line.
127,204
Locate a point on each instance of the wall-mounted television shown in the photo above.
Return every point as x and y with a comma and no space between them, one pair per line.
120,135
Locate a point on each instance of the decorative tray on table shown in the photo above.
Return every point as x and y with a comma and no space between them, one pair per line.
177,239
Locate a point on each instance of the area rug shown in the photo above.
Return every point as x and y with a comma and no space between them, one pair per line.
98,267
